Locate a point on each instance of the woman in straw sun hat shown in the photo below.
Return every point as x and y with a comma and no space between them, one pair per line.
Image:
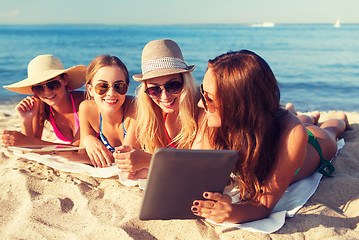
167,110
53,101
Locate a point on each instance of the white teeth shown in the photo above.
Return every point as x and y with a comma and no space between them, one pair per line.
110,100
168,104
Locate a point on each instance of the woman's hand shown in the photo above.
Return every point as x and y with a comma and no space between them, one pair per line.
27,108
15,138
99,155
217,208
131,159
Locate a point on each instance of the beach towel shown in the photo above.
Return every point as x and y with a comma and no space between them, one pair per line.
63,164
296,195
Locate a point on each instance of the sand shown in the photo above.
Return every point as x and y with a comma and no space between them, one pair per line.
39,202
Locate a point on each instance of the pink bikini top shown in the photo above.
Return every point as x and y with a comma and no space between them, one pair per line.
56,130
172,144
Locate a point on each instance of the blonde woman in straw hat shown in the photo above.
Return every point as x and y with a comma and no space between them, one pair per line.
106,118
167,110
53,101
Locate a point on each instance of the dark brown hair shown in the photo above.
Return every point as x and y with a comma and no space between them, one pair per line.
252,116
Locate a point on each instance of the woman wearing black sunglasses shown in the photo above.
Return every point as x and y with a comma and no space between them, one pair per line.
53,102
166,106
107,116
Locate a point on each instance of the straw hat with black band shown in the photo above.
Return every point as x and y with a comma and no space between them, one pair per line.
45,67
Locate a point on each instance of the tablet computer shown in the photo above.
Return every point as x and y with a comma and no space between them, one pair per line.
177,177
46,148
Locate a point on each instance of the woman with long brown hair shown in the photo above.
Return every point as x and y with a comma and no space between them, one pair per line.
242,101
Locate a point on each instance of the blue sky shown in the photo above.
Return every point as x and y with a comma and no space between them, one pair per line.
177,12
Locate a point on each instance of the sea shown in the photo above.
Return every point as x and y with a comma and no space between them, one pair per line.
316,65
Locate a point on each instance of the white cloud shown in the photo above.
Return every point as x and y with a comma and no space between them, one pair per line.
11,14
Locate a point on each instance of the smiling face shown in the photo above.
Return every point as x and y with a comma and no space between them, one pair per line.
168,102
56,95
209,91
110,100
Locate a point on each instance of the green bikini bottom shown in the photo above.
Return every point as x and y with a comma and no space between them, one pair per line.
327,167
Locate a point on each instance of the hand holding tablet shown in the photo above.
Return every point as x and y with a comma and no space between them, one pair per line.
177,177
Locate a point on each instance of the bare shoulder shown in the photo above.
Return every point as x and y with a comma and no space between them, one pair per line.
88,106
130,106
293,140
295,129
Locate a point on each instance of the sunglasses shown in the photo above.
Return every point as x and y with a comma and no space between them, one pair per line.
173,87
102,88
207,102
51,85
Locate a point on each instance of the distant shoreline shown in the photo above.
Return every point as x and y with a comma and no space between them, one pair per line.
163,25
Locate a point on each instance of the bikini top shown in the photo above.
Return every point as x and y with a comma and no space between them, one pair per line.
56,130
171,144
104,139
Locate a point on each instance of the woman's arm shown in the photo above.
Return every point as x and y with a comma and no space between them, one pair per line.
28,113
99,155
130,157
79,97
292,152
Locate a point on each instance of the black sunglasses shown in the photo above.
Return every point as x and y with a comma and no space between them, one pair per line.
172,87
40,88
102,88
208,104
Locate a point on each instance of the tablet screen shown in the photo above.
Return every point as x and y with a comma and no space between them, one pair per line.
177,177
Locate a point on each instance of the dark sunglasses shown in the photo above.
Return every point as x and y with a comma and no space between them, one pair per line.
40,88
102,88
173,87
207,106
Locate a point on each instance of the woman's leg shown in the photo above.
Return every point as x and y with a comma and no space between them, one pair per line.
313,119
326,135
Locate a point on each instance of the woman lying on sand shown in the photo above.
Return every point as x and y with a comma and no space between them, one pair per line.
106,120
53,101
166,106
274,146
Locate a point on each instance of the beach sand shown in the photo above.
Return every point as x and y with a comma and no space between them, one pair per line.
39,202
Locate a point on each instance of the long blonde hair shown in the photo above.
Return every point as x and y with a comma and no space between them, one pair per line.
151,128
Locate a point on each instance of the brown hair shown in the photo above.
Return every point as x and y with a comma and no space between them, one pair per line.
252,113
104,61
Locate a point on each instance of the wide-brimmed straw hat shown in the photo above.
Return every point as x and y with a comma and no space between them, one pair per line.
45,67
162,58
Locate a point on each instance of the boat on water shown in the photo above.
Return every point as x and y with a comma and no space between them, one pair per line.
264,24
337,24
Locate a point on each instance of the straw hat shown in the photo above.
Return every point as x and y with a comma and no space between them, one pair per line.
162,58
45,67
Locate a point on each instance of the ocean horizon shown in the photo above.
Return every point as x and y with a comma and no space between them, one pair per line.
316,65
